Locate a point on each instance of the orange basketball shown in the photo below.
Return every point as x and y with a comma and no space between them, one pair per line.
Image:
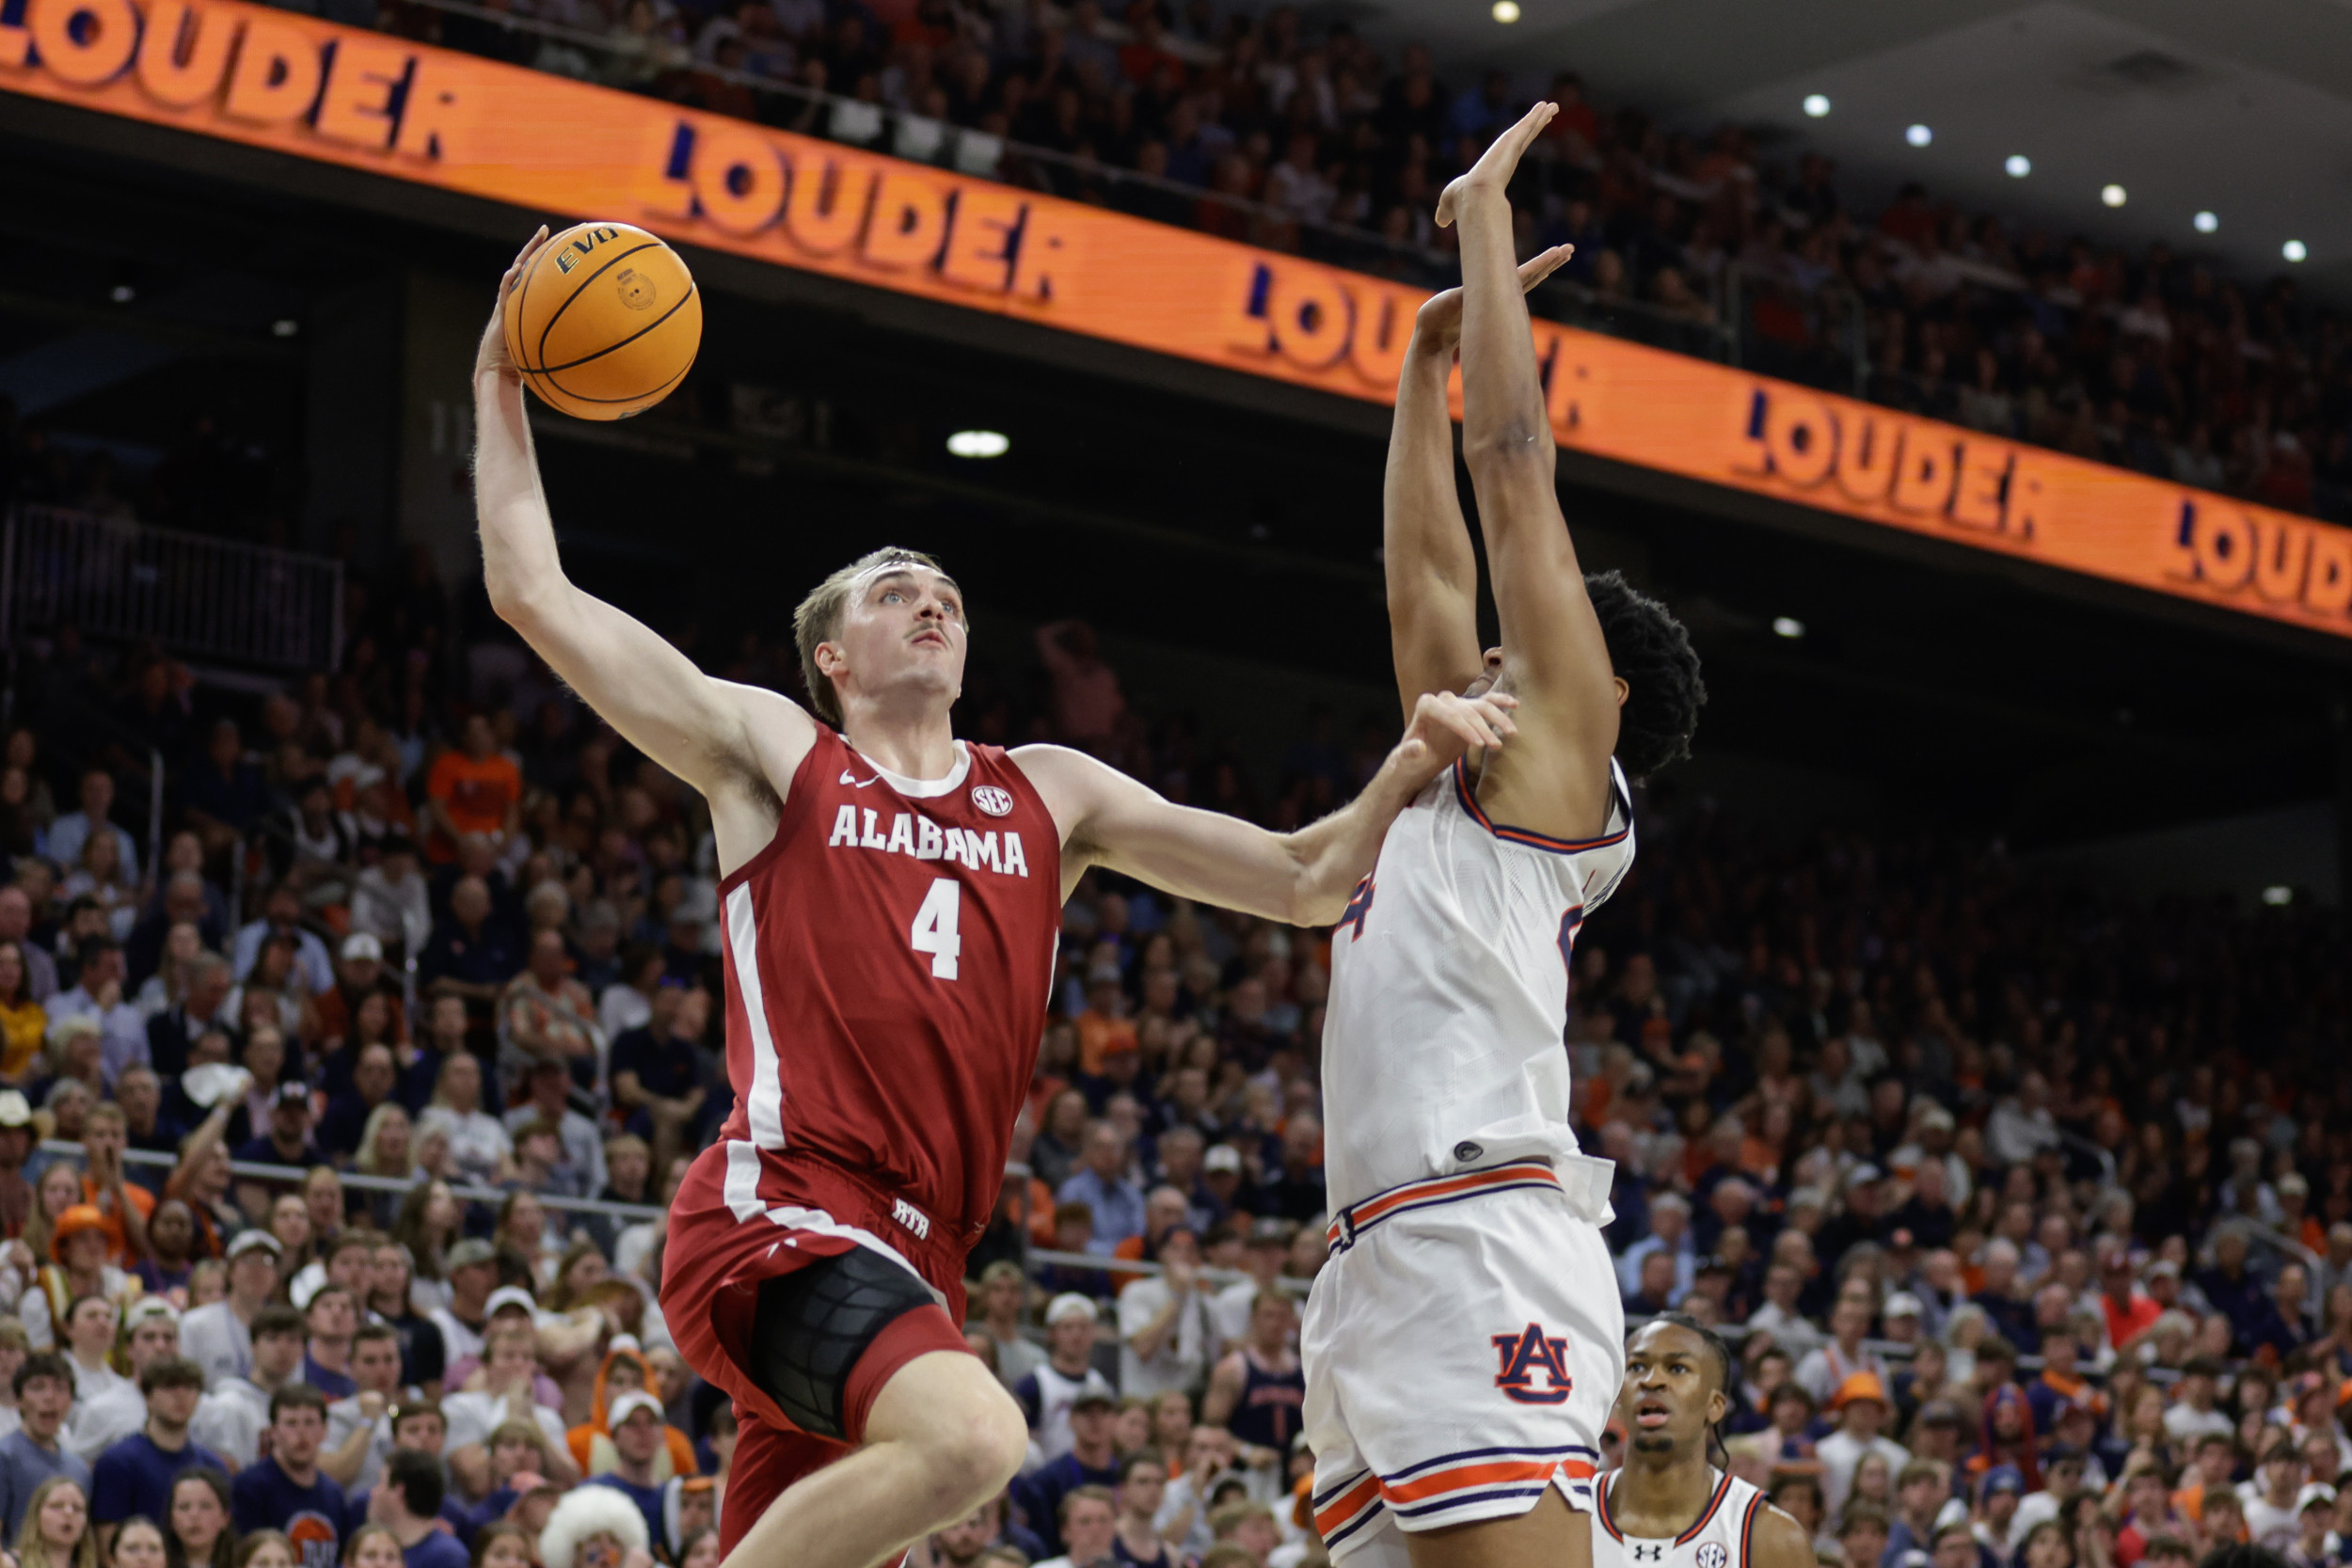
604,321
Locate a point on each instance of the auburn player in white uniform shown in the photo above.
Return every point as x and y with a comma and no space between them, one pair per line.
1465,1343
1668,1506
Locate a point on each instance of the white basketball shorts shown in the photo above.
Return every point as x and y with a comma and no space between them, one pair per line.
1463,1348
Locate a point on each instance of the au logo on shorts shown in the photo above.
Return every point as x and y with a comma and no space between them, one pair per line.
1533,1370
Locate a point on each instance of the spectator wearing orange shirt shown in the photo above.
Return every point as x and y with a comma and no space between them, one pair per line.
1105,1026
473,789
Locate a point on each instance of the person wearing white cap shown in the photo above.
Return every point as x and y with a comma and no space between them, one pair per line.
217,1336
119,1409
1047,1393
639,1432
16,1147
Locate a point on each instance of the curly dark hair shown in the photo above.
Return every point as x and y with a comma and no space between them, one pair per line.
1651,652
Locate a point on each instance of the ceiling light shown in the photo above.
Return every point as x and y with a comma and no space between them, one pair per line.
2274,896
2113,196
1817,104
979,443
2295,250
1787,625
1919,136
123,293
285,326
1506,12
2205,223
2018,164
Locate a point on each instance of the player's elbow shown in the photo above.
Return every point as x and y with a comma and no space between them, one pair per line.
1508,449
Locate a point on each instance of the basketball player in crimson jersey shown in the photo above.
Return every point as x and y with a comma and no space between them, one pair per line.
891,901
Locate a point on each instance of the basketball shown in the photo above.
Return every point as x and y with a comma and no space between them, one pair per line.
604,321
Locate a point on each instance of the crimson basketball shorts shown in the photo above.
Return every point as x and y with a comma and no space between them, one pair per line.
1463,1348
799,1289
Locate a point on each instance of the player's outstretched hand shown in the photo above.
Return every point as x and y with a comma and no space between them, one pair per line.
1493,171
1439,325
492,354
1445,727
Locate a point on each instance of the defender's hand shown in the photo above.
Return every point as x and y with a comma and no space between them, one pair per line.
1438,324
1495,166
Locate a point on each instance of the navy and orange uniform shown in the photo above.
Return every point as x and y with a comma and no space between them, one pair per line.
888,963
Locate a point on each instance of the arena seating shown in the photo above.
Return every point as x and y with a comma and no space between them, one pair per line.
2066,1181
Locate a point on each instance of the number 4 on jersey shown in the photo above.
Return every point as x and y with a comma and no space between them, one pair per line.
935,929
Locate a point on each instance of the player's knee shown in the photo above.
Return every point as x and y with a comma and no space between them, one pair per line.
975,1453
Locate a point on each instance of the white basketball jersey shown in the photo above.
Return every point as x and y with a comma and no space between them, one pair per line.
1719,1538
1445,1046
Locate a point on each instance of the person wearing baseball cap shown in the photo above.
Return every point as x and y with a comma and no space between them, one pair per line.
16,1147
1093,1461
470,1269
1860,1406
1047,1393
76,1267
1997,1499
640,1437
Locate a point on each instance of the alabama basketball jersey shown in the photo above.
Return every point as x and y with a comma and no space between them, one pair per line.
889,959
1445,1047
1719,1538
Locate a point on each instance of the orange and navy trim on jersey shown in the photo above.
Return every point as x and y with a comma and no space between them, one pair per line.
1345,1509
1715,1504
1354,1220
1482,1475
1469,797
1747,1530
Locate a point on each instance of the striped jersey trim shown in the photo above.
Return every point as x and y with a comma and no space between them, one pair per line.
1358,1218
1528,836
1722,1487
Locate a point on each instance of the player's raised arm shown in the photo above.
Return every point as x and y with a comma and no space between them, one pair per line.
1425,546
697,727
1556,781
1304,877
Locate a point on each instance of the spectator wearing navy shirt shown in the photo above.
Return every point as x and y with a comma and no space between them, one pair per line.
288,1141
374,1077
285,1491
332,1316
135,1474
639,1433
408,1501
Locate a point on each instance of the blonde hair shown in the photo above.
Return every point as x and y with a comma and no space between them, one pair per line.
818,619
32,1549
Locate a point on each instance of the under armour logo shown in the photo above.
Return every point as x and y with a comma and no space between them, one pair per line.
1525,1354
1648,1551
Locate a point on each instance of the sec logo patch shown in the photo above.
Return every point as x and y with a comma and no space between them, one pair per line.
1711,1555
995,802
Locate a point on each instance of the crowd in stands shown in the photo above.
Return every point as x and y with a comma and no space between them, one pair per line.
2028,1214
1258,126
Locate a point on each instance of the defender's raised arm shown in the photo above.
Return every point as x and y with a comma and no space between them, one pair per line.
1425,546
1556,779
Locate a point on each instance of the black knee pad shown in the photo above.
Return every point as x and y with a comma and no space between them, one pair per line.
811,1327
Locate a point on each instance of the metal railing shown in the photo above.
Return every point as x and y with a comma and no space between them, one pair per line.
201,598
360,1182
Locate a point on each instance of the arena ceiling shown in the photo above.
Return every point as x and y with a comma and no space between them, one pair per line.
2242,109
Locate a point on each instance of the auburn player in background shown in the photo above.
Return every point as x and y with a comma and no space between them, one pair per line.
1667,1506
891,898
